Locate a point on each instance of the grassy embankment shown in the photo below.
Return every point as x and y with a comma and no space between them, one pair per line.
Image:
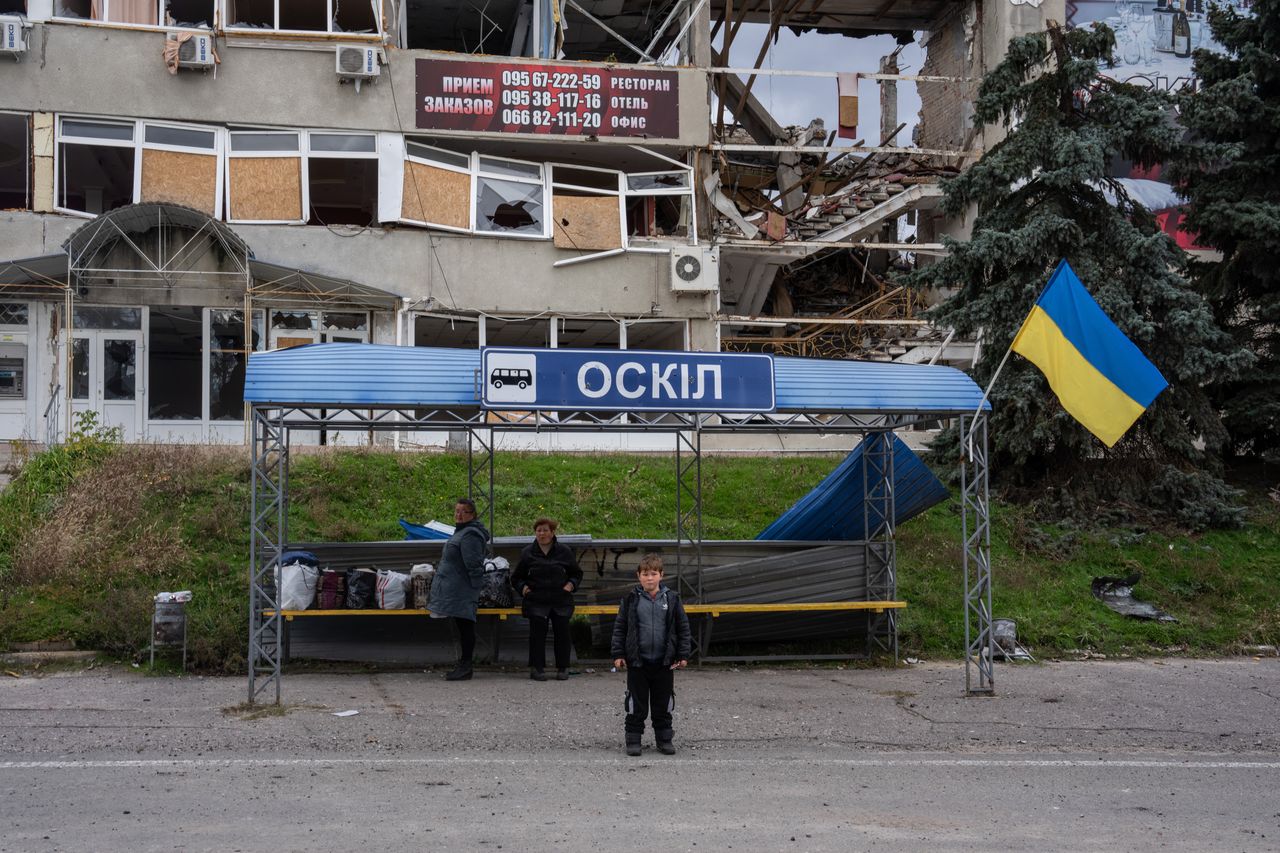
90,531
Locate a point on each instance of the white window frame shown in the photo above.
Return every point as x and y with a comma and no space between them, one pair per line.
542,181
297,153
308,152
424,158
686,190
224,8
159,26
616,192
138,143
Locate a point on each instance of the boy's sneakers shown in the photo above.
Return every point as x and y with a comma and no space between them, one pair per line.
666,747
633,746
537,675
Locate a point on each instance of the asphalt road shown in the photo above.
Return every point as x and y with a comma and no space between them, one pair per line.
1134,755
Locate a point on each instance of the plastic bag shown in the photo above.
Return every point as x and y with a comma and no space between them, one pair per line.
298,586
496,591
393,587
360,588
420,577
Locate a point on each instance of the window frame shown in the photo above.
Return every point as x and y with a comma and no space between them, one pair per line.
224,7
308,152
30,155
542,181
617,193
628,193
159,26
445,165
298,153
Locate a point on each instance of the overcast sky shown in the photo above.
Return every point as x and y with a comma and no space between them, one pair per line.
798,100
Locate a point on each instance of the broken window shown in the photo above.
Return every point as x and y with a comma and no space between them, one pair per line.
13,7
344,327
342,178
660,204
188,13
180,166
228,359
175,347
264,176
95,165
353,16
509,198
585,208
15,161
437,187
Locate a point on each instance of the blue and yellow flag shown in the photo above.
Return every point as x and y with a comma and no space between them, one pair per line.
1100,377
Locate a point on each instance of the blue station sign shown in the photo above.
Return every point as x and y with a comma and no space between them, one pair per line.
625,380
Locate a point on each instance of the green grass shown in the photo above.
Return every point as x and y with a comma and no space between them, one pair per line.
86,539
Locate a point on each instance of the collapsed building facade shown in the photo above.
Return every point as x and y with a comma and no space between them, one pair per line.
184,182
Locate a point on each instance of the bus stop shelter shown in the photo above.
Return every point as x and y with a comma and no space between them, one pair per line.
685,395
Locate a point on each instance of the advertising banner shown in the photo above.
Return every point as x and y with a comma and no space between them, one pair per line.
625,380
564,100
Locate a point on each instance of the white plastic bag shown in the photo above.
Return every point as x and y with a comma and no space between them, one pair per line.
298,586
392,589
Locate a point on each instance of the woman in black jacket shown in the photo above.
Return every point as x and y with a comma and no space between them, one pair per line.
547,576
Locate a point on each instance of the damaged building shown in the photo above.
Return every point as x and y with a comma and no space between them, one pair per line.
184,182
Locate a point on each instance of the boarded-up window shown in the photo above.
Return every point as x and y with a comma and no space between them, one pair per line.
180,178
264,176
436,196
586,222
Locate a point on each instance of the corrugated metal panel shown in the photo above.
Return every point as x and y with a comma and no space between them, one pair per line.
835,509
380,375
811,384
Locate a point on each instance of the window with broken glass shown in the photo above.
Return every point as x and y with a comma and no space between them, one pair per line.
342,178
510,197
228,360
660,204
332,16
140,13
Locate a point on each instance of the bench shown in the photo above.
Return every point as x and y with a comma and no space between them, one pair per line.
712,611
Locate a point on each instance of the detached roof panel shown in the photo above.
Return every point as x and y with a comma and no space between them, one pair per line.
378,375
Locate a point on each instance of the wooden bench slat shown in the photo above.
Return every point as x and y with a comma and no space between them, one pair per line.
611,609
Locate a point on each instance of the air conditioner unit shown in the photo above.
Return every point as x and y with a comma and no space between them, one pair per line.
695,269
358,62
196,51
13,35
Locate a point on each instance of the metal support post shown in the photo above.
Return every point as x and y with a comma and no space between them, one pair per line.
267,533
688,573
976,531
480,472
879,545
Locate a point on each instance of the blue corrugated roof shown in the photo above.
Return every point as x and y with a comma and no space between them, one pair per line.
381,375
834,510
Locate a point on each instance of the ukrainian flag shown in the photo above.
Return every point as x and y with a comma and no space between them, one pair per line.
1100,377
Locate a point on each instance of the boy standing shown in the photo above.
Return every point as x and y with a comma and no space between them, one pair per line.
651,640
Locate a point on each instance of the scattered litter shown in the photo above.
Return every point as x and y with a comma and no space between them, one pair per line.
1117,594
168,597
345,713
12,673
913,660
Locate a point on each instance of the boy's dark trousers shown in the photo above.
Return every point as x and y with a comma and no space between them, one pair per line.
650,686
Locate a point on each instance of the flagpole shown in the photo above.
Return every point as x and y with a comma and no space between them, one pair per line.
968,439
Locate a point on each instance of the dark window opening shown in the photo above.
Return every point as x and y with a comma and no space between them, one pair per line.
303,15
10,7
228,357
95,178
80,369
119,369
353,17
657,216
189,13
343,192
252,13
177,342
15,162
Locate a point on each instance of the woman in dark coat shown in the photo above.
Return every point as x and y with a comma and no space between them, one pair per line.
547,576
455,591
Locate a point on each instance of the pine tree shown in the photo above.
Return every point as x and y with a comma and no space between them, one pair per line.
1041,195
1231,175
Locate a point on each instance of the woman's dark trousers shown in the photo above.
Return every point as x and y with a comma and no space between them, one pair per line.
538,640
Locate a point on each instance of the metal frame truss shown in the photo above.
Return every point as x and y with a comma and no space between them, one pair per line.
976,532
879,545
268,531
688,574
480,473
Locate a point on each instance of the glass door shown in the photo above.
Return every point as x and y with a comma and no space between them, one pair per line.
105,379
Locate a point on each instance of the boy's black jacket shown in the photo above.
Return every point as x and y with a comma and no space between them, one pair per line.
626,642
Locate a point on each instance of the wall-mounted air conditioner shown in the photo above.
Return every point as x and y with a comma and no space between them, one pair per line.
13,35
695,269
358,63
196,51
